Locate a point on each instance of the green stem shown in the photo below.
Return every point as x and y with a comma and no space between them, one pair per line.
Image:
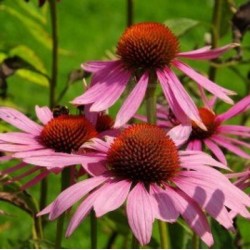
151,101
43,193
195,241
65,181
164,235
37,231
216,23
93,225
129,12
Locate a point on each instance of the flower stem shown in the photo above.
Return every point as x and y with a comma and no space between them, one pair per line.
164,235
93,225
65,180
216,23
151,101
195,241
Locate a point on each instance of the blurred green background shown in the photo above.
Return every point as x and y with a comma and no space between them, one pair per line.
89,30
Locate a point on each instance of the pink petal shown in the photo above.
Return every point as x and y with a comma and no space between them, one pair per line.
180,134
81,212
58,160
235,199
173,103
234,130
111,196
210,86
211,199
216,151
140,213
197,145
166,208
19,138
19,120
132,102
44,114
193,215
95,66
206,53
114,92
199,158
35,180
14,168
238,108
91,116
74,193
228,145
182,97
32,153
18,148
96,144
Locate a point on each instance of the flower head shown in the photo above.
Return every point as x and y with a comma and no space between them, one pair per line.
218,134
143,166
57,142
148,51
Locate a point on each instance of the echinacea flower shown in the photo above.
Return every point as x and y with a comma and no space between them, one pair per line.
144,167
148,50
57,142
217,135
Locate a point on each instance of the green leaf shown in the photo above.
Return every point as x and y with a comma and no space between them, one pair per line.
36,30
2,57
180,26
29,56
33,77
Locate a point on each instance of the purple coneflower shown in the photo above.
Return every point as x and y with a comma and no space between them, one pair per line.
53,145
144,167
217,135
148,50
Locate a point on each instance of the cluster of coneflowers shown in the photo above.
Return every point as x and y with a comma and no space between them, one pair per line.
156,168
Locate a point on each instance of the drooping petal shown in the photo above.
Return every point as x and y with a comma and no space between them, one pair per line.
19,120
44,114
140,213
210,86
222,141
206,53
132,102
199,158
216,151
192,214
107,99
234,198
211,199
185,101
81,213
74,193
180,134
111,196
173,103
14,168
96,144
35,180
166,208
238,108
197,145
240,130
